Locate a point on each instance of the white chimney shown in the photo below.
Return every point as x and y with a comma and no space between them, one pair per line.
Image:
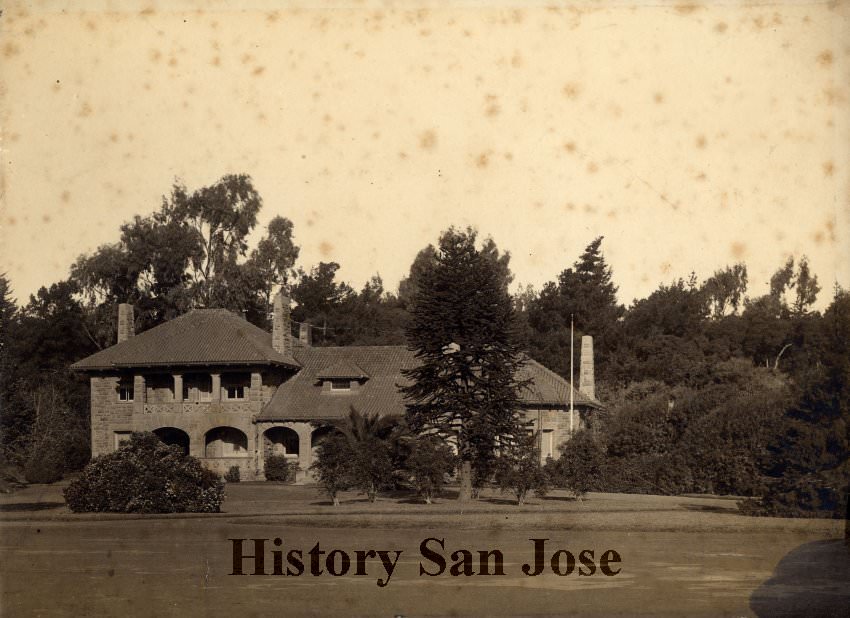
587,384
126,322
281,328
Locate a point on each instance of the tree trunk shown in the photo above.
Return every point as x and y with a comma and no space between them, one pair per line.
336,500
427,498
465,494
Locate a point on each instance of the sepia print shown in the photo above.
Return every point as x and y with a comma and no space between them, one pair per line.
424,308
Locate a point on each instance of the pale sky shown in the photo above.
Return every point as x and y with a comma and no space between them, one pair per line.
690,136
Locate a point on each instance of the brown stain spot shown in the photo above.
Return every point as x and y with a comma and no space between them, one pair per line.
665,268
516,61
148,11
701,142
830,229
828,168
739,250
326,248
570,147
482,160
272,17
66,196
155,55
686,9
258,71
825,58
571,90
833,95
172,62
113,137
592,167
11,221
45,218
10,49
91,25
491,105
509,156
569,207
85,110
402,155
216,61
428,140
720,27
658,97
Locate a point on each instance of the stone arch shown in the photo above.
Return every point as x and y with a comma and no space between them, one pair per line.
225,442
281,441
173,437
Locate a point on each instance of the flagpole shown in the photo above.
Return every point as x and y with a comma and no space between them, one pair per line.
571,374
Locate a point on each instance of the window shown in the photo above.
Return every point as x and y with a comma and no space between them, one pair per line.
236,392
340,385
125,392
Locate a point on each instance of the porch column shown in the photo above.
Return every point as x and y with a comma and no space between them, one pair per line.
178,387
139,394
216,386
305,452
256,391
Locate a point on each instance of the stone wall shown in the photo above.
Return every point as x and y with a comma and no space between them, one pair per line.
108,415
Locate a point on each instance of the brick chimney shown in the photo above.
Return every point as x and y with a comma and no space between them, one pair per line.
281,326
126,322
305,335
587,384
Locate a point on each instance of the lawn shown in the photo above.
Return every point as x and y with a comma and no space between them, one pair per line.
680,555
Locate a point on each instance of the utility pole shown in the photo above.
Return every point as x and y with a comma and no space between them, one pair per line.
571,375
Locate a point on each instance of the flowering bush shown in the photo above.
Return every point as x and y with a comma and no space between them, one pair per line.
146,476
233,475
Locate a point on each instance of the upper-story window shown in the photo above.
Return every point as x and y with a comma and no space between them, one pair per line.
235,386
340,384
125,392
236,392
197,387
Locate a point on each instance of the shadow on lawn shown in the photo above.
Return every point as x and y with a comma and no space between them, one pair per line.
811,580
29,506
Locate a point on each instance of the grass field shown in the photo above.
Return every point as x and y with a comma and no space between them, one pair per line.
680,556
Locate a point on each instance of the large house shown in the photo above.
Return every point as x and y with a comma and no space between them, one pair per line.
231,394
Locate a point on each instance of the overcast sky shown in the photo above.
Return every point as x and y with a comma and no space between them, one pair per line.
690,137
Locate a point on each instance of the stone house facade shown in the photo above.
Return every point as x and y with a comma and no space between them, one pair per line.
231,394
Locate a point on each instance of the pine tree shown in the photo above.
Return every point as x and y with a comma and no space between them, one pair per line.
462,329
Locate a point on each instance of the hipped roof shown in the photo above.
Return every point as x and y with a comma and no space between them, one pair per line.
202,337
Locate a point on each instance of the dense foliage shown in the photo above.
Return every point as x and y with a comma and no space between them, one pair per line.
428,466
281,469
145,476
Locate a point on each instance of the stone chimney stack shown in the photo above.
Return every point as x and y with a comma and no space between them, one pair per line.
126,322
587,384
281,326
305,335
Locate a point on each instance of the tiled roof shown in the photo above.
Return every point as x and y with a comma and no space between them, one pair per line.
302,398
200,337
345,368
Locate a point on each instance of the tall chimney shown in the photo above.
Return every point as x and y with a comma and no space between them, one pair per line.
587,384
126,322
305,335
281,327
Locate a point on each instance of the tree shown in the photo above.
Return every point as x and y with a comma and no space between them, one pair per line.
578,469
726,289
368,442
332,466
462,329
272,261
518,469
429,462
584,293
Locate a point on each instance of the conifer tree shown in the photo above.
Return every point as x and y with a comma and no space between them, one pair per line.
462,330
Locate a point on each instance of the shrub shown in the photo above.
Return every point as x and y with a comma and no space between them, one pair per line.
232,475
518,470
578,468
279,468
146,476
428,464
